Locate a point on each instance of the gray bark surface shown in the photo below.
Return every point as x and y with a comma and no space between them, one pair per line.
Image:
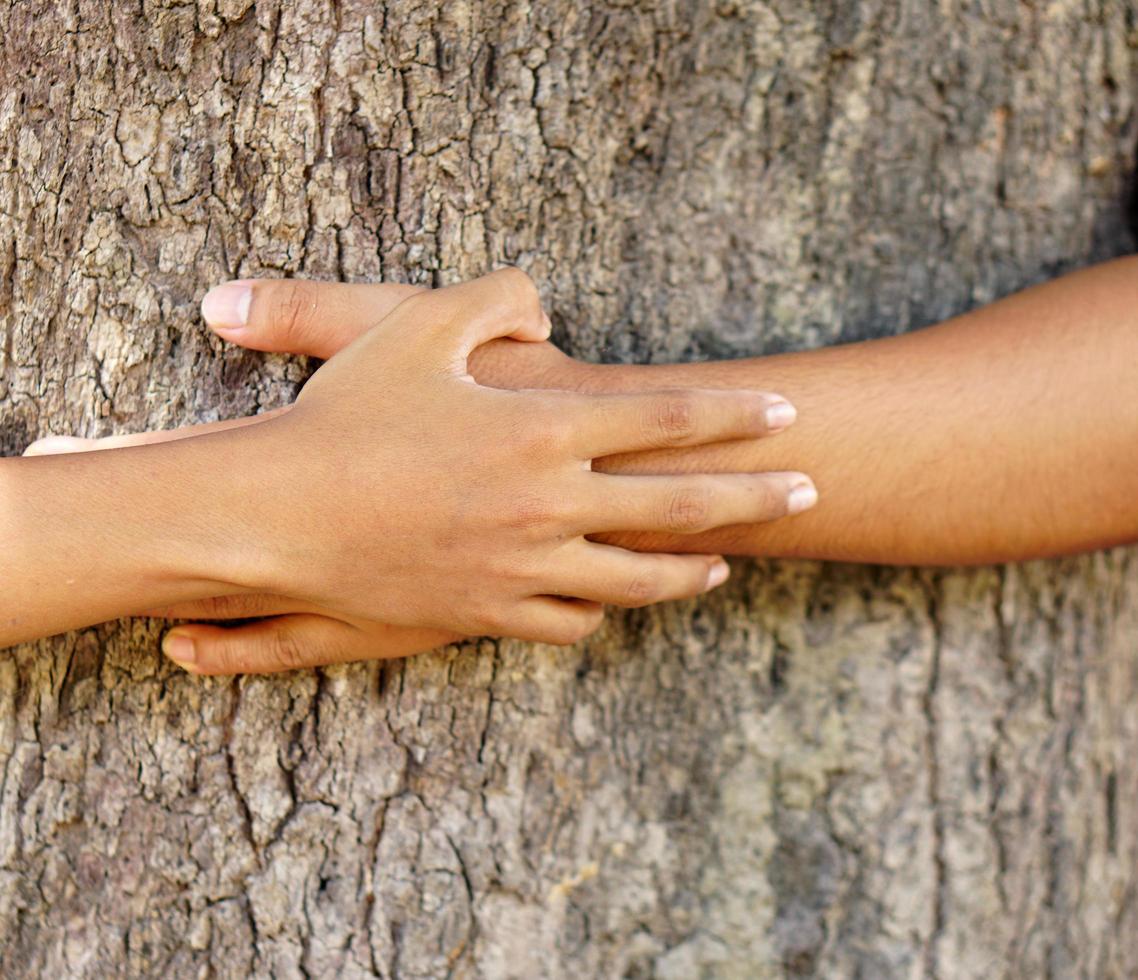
821,771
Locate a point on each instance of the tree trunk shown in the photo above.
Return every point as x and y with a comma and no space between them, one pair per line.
820,771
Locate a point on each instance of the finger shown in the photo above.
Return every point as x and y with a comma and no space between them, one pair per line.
552,619
53,445
693,504
460,318
609,424
299,316
291,643
245,605
614,576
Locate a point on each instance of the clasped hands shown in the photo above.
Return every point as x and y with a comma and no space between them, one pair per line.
429,483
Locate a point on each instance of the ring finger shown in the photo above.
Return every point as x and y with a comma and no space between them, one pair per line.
692,504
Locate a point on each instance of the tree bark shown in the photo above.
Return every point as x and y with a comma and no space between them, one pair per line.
820,771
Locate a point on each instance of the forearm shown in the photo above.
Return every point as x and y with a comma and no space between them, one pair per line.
88,537
1005,434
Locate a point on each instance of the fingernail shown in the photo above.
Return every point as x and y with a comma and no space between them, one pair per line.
179,648
717,575
226,307
802,497
780,415
548,323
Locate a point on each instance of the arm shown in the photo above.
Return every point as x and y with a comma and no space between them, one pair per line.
1008,433
468,515
1004,434
70,556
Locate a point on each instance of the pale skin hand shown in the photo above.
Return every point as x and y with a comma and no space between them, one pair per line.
1005,434
443,505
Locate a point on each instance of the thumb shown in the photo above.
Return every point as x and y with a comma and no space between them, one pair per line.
299,316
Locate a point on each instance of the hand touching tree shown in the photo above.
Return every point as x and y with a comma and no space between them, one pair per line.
479,501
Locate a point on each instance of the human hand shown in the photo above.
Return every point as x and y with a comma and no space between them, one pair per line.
285,633
540,615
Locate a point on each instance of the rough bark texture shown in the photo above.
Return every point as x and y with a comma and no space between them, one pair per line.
822,771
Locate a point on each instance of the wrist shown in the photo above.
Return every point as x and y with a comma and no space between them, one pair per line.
88,537
217,513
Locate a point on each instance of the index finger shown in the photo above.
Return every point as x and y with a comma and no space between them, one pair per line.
459,318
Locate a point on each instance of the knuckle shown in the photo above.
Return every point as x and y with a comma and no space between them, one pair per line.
518,293
674,418
642,591
224,658
757,499
215,607
516,284
534,512
547,436
558,424
288,650
688,509
768,500
435,315
292,305
233,607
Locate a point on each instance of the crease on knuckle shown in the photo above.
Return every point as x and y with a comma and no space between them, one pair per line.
221,658
289,651
292,306
641,591
766,501
233,607
674,419
534,512
688,510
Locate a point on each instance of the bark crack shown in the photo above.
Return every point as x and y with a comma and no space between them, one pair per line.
935,803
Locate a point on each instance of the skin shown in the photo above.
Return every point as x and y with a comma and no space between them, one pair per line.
917,443
338,506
